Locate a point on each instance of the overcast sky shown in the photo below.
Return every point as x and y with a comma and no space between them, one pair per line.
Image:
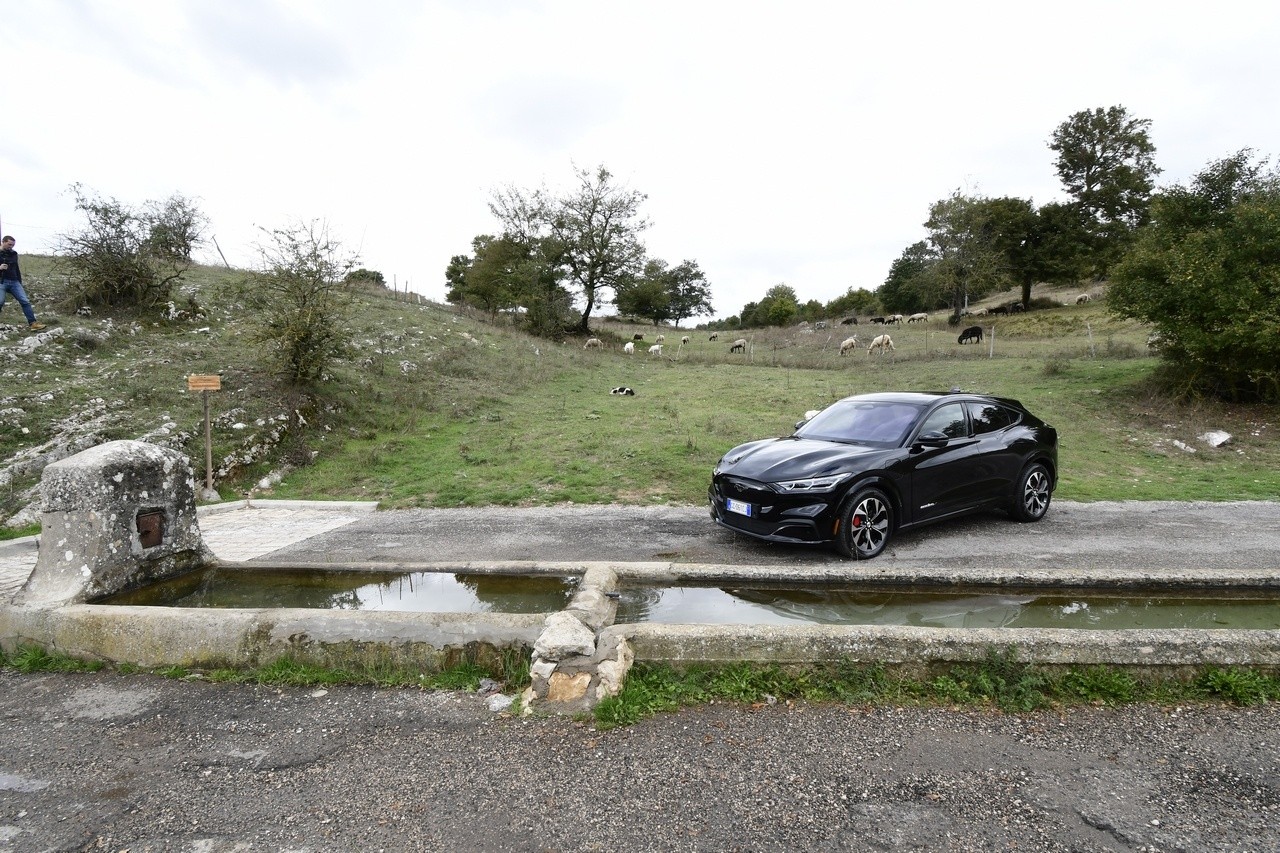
791,142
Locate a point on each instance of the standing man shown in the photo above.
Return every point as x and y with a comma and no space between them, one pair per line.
11,279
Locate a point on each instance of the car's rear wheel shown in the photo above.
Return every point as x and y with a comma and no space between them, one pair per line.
865,524
1031,500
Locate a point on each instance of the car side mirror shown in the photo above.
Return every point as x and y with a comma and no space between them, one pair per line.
932,439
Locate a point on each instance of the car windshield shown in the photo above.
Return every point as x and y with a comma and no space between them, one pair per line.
863,422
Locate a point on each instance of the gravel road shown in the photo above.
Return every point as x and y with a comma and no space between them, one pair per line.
139,763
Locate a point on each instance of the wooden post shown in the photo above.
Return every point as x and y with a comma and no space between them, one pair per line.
205,384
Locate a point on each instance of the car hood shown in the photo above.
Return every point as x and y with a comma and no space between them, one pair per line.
792,458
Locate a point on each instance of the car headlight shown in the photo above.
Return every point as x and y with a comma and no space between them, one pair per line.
811,484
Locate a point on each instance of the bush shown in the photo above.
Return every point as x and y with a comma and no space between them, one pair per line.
129,258
1206,275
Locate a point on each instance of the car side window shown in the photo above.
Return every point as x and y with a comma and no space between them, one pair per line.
990,417
948,420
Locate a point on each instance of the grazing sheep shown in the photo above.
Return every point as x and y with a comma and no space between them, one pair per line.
593,343
1000,309
848,344
881,343
629,348
879,321
922,317
740,345
849,321
656,349
684,339
713,336
623,391
895,319
973,333
981,312
1083,298
660,338
637,337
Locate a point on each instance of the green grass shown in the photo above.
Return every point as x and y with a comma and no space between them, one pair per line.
1000,681
512,669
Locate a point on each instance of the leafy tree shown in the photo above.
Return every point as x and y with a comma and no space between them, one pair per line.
301,300
647,296
854,301
127,257
780,307
967,236
1205,273
908,288
689,291
508,273
591,234
1106,162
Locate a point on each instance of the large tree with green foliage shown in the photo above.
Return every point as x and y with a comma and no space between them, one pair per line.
780,307
1106,162
506,273
854,301
591,233
1205,273
130,257
969,240
663,292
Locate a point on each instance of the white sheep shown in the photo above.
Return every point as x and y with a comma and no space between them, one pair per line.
656,349
713,336
684,339
629,347
1083,298
740,345
922,317
660,338
593,343
848,344
881,343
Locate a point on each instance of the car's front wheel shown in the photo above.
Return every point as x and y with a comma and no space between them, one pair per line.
865,524
1031,500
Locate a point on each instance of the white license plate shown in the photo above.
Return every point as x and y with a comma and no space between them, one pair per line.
739,507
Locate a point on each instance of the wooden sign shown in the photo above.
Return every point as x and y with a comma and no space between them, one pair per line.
198,382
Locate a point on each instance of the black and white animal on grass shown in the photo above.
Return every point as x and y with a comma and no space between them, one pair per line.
623,391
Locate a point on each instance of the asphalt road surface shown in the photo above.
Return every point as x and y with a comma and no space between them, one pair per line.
1133,535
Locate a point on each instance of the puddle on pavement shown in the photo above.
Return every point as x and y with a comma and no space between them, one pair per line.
422,592
953,609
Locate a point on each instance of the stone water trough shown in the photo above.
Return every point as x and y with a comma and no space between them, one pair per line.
122,515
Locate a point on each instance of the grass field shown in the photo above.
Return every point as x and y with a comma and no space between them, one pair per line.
437,407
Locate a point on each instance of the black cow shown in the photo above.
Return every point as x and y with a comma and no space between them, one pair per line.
973,333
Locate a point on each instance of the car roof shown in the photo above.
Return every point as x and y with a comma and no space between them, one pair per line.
923,397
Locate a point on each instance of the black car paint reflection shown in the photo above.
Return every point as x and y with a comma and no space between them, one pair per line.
871,465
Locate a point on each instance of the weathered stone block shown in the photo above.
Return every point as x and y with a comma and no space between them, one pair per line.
117,515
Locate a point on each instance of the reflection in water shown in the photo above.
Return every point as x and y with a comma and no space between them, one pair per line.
423,592
833,606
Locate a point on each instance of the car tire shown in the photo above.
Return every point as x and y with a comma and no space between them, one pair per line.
1032,496
866,523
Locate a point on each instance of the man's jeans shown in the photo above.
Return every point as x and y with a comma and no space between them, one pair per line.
15,287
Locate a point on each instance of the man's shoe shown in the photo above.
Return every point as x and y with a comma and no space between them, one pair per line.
36,326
